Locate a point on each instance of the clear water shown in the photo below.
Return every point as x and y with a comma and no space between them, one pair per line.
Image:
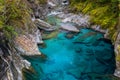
86,56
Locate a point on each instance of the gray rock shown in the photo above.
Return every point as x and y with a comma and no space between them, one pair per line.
12,65
43,25
117,51
69,27
80,20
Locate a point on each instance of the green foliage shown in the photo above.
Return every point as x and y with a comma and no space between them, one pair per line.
102,12
14,17
9,31
1,13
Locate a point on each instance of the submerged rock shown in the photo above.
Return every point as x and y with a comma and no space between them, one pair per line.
48,35
83,39
69,36
43,45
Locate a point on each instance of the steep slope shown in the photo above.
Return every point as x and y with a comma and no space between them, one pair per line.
18,36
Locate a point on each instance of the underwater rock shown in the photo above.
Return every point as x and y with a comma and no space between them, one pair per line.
48,35
84,37
105,40
43,56
78,50
69,35
75,73
43,45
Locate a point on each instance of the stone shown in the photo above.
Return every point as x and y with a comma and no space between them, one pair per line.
117,51
80,20
70,35
69,27
97,28
27,45
43,25
43,45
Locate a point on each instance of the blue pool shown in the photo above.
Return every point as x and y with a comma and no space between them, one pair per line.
83,56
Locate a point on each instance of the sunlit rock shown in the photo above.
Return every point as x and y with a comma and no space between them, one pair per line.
43,25
69,27
27,45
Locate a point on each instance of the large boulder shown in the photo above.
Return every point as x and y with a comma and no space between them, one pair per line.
27,45
69,27
43,25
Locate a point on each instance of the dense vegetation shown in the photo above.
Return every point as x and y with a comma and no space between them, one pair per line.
102,12
13,15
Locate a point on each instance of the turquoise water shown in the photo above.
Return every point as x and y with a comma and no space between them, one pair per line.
84,56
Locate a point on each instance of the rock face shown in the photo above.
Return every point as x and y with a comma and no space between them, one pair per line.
39,10
117,51
11,63
37,37
27,45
